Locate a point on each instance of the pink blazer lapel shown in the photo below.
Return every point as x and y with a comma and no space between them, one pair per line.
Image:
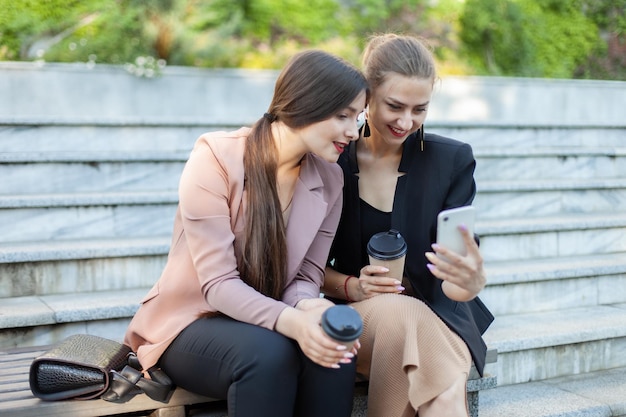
308,211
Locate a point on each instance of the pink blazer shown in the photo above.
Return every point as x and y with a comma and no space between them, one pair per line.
201,271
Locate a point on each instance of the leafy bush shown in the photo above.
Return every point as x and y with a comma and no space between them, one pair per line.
534,38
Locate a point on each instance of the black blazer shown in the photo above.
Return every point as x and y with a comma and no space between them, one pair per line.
439,177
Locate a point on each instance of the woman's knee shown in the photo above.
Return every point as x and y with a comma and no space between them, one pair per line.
394,309
272,353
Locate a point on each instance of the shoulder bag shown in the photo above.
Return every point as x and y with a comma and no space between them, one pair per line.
86,366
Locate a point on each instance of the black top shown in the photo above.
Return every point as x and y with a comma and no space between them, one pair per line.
439,177
374,221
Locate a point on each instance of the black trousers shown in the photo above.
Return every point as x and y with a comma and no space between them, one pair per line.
258,371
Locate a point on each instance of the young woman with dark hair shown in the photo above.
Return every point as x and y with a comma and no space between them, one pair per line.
236,312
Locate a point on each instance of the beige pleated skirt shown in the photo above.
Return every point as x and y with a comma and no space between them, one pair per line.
408,353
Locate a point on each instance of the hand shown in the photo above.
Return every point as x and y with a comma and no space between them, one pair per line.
463,276
313,303
304,327
373,281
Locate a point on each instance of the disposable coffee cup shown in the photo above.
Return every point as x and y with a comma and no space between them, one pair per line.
388,249
343,324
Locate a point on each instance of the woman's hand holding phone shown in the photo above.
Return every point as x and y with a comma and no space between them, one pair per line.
456,258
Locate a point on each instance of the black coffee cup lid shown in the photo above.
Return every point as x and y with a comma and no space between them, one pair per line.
342,323
387,245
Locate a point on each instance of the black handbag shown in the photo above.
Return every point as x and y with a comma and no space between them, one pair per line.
84,366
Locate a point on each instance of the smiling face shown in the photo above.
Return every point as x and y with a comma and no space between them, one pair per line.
398,107
328,138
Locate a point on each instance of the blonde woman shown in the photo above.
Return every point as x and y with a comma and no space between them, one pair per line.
422,330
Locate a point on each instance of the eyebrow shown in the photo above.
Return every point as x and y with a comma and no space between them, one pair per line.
403,104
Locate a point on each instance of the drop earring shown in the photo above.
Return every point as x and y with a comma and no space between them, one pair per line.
420,134
366,130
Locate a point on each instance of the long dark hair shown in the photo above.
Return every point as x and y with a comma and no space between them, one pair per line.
312,87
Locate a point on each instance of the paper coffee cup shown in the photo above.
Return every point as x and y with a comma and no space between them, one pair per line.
388,249
343,324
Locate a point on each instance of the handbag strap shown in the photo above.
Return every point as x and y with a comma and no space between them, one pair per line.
130,381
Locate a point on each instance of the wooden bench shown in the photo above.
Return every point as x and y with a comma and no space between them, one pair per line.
16,399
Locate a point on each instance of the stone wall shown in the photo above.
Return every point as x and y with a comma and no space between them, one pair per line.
74,92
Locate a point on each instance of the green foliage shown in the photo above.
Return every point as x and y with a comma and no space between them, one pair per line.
311,21
363,17
73,30
23,22
609,15
607,60
545,38
535,38
115,36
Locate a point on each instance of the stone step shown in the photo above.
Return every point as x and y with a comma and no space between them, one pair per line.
523,189
554,163
98,135
88,199
106,213
554,283
531,136
81,266
548,197
593,394
550,344
127,243
41,268
565,177
86,215
134,134
44,320
87,176
565,235
31,186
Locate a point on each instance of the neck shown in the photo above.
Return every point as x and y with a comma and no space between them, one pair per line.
289,148
377,148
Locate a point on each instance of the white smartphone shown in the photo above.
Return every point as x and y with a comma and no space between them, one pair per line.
448,222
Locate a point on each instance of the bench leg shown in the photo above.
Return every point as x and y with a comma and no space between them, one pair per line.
177,411
472,403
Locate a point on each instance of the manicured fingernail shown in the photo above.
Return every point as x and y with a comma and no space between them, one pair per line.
348,355
434,246
335,366
430,266
400,288
396,282
462,227
345,361
341,347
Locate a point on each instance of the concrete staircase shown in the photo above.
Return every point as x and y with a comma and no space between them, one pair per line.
89,166
553,227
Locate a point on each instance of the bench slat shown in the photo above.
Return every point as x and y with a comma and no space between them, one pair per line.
14,387
33,407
